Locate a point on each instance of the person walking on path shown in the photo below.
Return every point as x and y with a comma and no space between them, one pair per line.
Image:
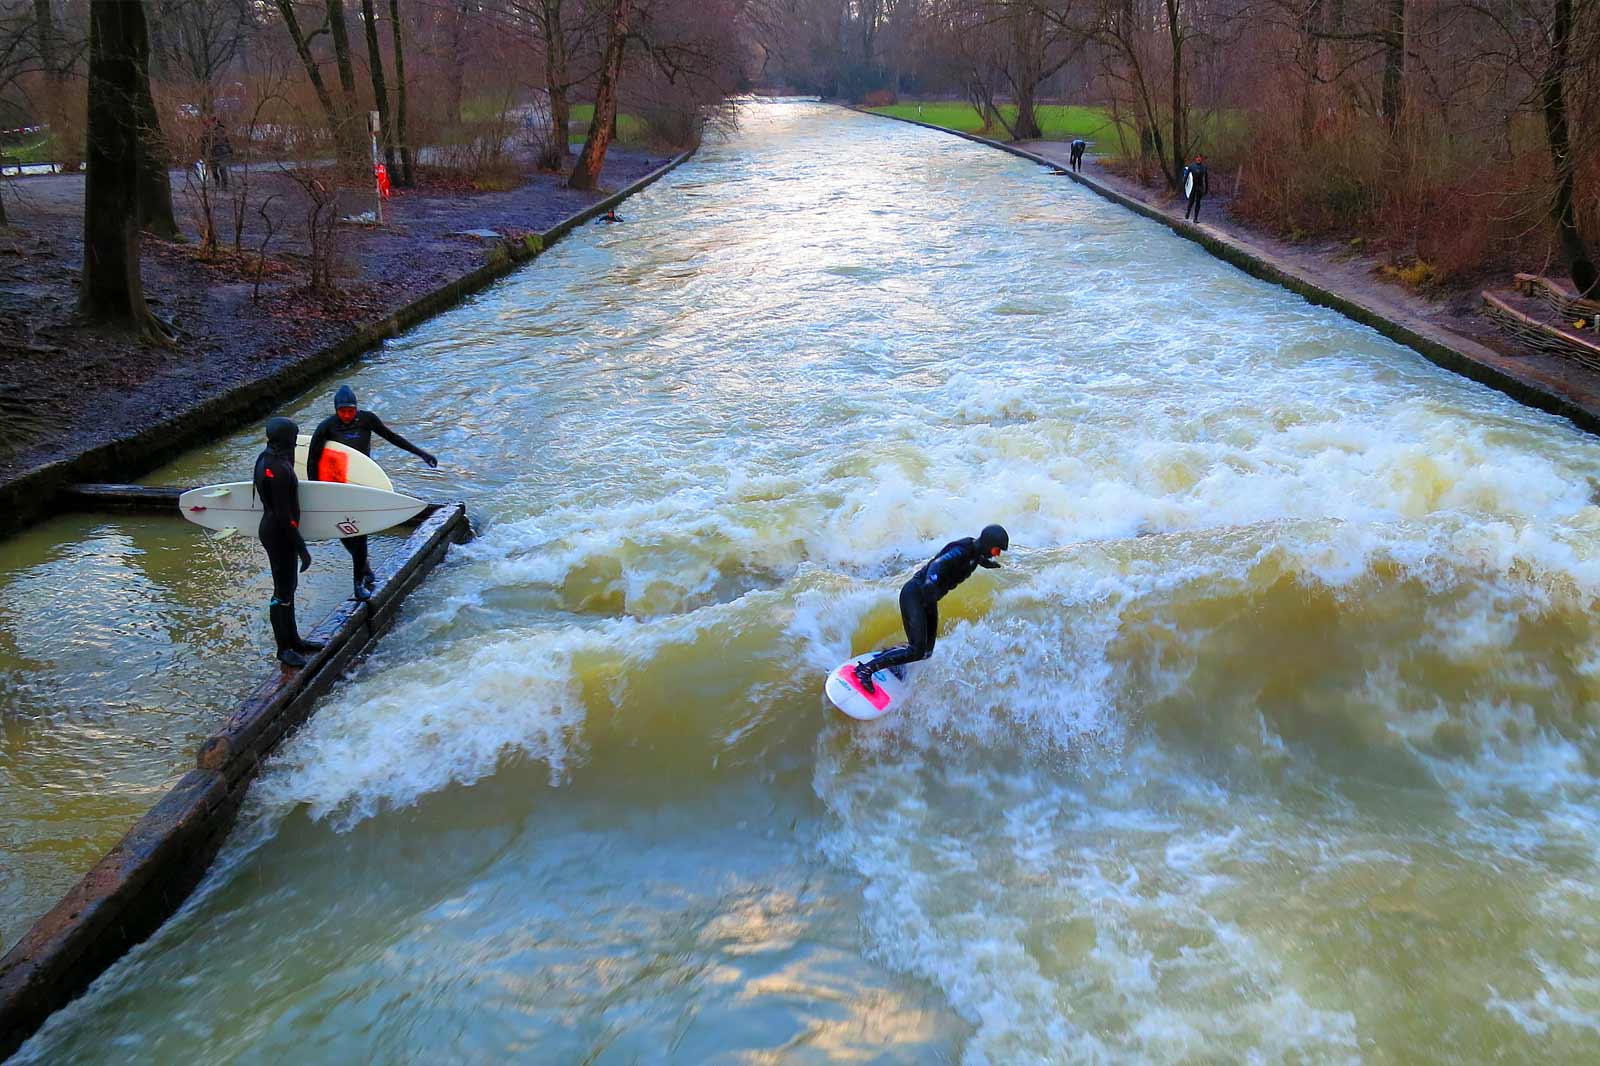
217,151
1078,145
278,489
353,427
1196,183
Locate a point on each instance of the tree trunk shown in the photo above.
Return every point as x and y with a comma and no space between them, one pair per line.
341,54
155,186
1310,33
555,85
380,93
458,60
1025,31
45,26
55,107
119,49
1552,94
330,111
402,131
355,154
586,172
1394,62
1179,135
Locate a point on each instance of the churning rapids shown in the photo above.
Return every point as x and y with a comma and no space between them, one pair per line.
1275,741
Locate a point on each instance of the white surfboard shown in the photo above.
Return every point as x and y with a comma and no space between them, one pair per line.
327,510
1188,185
341,465
846,693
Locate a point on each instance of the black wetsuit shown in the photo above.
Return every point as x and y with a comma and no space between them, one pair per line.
357,436
1202,185
919,601
279,529
1078,145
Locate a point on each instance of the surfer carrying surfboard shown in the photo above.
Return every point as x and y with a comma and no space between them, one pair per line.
279,530
919,597
1196,183
353,427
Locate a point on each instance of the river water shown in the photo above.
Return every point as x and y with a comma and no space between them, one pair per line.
1274,741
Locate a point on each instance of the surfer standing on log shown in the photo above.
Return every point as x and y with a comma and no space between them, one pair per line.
919,597
353,427
279,490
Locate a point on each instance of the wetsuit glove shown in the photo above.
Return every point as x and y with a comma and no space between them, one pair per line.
431,460
988,564
305,558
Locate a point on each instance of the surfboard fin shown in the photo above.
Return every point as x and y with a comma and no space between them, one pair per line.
223,534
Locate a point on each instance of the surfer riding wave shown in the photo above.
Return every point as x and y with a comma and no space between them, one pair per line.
919,598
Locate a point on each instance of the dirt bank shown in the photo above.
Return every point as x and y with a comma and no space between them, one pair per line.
66,389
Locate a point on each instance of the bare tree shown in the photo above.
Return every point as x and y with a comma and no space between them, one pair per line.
586,172
339,115
196,40
401,121
380,92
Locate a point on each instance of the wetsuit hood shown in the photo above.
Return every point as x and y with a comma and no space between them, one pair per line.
345,397
991,538
281,434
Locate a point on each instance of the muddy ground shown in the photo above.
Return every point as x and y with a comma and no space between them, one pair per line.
66,386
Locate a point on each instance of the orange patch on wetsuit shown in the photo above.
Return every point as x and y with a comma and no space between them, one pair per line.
335,466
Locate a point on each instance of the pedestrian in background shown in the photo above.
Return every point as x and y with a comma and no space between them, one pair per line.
1196,183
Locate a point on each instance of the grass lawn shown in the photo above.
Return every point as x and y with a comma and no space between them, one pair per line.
1060,122
629,129
39,148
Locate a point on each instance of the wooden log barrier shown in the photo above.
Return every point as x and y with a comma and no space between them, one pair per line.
147,876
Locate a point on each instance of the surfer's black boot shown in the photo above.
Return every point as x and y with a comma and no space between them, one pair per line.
301,644
368,580
283,631
864,673
363,591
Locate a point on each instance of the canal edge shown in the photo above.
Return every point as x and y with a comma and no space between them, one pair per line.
150,873
37,493
1450,351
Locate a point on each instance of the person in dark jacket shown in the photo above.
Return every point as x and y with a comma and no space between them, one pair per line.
1078,145
279,491
919,597
1198,189
353,427
216,149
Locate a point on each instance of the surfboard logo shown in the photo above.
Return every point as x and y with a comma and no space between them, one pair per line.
348,527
